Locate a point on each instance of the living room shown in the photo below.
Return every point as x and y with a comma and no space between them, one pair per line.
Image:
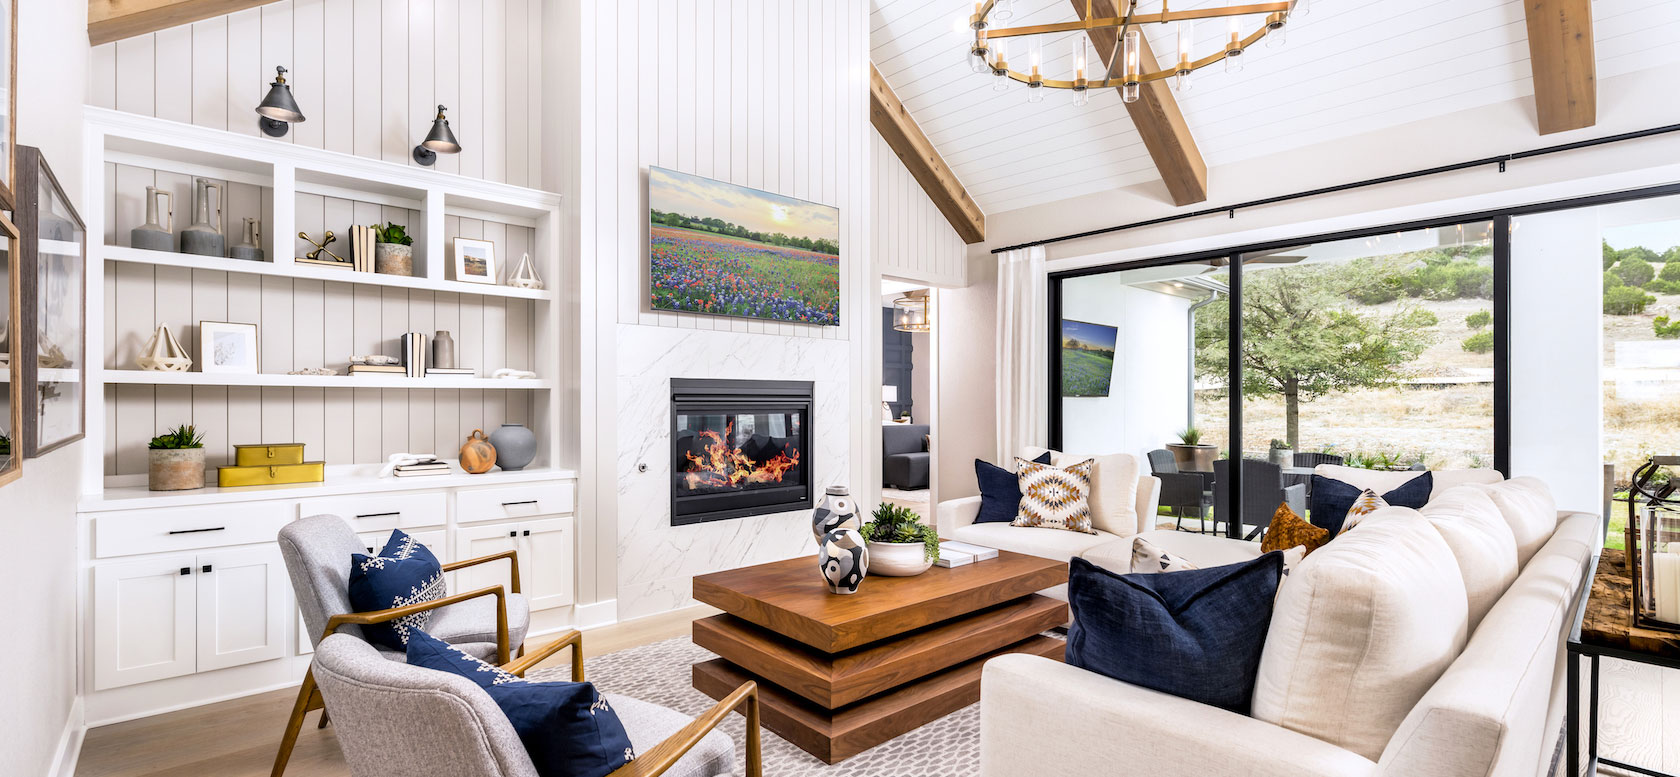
738,387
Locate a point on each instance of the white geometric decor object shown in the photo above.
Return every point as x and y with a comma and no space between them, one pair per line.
525,275
163,353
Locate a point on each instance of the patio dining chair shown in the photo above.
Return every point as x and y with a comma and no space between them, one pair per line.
1185,493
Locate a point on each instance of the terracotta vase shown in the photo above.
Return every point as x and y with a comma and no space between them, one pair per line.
478,455
177,469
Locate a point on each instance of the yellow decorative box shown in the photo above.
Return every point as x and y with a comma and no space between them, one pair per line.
265,455
272,474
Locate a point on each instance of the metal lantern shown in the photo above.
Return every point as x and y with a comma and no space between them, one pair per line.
278,109
439,141
1653,546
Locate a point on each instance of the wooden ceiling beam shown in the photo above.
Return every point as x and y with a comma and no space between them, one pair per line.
110,20
1155,114
913,148
1560,49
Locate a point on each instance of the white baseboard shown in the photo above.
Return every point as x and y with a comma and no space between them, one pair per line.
596,614
69,749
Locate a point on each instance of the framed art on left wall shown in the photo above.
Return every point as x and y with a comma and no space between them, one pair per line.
53,258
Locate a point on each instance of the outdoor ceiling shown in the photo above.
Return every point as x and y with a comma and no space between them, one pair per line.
1349,67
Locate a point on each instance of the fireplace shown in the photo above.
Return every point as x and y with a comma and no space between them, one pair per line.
739,448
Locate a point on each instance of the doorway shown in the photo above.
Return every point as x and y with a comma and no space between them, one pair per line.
908,416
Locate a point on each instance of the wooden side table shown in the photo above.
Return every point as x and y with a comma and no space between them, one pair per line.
1604,627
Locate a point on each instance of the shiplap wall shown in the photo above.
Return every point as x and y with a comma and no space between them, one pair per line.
913,241
368,74
301,324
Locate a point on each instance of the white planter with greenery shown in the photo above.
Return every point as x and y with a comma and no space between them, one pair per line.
900,545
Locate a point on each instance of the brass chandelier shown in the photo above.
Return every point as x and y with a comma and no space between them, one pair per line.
988,52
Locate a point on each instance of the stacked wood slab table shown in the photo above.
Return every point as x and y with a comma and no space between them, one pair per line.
841,674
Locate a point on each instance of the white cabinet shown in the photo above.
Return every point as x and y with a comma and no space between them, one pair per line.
174,615
546,549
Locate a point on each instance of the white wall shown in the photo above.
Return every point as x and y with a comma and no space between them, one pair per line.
921,377
913,241
965,332
1147,402
41,716
368,75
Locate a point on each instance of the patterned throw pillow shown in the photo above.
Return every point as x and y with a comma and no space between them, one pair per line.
568,729
1148,558
404,572
1367,503
1288,530
1055,497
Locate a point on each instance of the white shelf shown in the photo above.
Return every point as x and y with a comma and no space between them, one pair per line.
149,377
315,272
128,492
46,375
59,247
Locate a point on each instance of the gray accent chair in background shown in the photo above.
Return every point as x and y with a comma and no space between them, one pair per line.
393,718
488,623
905,463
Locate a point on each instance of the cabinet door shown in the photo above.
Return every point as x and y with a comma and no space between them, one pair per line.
243,602
143,621
478,541
546,562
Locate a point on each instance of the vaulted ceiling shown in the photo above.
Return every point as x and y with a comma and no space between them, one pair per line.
1348,67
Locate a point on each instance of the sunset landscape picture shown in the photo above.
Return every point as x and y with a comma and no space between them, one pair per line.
726,250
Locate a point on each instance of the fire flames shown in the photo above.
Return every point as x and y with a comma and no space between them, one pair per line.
722,466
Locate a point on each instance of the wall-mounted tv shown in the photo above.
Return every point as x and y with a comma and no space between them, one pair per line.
720,249
1087,358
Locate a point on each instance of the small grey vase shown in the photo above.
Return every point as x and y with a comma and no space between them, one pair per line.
515,447
443,350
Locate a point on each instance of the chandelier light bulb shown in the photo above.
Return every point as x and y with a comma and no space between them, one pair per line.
977,62
1131,92
1000,67
1081,98
1079,58
1003,10
1186,40
1277,31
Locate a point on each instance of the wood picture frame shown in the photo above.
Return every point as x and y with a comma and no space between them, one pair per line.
228,347
8,123
11,463
473,261
53,321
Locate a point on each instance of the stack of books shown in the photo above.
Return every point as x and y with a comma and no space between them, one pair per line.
956,554
361,248
422,469
415,354
377,369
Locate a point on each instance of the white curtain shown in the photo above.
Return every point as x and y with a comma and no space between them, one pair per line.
1022,350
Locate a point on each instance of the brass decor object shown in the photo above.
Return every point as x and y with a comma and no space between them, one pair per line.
989,52
911,312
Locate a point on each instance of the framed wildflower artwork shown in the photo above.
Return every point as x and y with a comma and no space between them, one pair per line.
725,250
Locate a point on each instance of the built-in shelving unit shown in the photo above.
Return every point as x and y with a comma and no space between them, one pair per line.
130,493
314,272
147,377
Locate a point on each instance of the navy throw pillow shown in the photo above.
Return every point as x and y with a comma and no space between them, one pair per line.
1195,634
1331,498
568,729
404,572
1000,491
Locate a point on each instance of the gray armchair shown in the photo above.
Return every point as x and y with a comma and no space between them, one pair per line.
905,461
393,718
488,622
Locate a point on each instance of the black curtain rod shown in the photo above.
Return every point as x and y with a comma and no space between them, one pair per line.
1232,209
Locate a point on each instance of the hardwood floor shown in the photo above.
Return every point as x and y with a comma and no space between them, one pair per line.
238,738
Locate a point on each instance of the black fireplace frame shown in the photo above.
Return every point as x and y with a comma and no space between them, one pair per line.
689,395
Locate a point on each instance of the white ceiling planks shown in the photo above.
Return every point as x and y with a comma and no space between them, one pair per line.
1349,67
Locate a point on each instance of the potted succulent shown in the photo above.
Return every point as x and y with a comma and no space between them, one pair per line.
393,251
175,460
1190,454
1281,454
900,545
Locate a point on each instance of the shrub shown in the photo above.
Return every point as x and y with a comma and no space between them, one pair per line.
1479,319
1610,256
1626,301
1664,329
1480,342
1640,253
1671,266
1660,286
1612,280
1451,279
1635,271
1385,289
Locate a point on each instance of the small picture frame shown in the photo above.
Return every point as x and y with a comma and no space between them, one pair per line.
473,261
227,347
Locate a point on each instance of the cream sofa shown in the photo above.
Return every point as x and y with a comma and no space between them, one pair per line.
1424,643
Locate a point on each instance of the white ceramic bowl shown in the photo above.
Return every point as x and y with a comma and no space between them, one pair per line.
898,559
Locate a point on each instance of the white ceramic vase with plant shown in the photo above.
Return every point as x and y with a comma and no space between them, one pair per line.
900,545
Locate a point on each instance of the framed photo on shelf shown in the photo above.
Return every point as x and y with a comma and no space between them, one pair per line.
54,310
226,347
473,261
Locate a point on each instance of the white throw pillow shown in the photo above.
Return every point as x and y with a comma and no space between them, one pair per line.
1147,559
1481,541
1528,508
1055,497
1365,625
1114,486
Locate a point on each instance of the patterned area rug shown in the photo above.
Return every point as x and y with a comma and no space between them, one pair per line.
659,673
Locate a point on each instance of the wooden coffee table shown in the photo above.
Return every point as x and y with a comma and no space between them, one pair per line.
841,674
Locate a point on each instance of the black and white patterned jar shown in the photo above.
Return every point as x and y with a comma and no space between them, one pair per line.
834,511
844,559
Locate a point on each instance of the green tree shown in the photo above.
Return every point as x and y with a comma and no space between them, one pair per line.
1612,280
1641,253
1303,340
1626,301
1635,271
1610,255
1671,266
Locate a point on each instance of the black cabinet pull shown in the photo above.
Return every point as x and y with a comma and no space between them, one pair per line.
379,515
196,531
525,502
514,533
527,532
186,570
205,569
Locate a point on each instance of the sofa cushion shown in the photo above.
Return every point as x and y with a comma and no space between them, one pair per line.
1528,508
1000,491
1333,499
1114,489
405,572
1203,550
1055,497
1289,530
1054,544
1365,626
1382,481
1195,634
1481,542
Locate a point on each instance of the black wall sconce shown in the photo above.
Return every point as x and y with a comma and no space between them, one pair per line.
278,110
439,141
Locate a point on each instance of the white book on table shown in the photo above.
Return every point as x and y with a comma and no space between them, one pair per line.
979,552
952,558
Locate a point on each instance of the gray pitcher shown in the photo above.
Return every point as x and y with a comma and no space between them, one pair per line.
249,248
151,235
204,237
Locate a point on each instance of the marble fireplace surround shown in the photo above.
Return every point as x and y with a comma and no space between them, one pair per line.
658,561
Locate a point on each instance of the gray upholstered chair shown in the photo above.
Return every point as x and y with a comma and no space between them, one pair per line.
487,622
393,718
905,460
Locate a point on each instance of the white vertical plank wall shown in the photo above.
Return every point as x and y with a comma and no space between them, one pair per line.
368,74
913,241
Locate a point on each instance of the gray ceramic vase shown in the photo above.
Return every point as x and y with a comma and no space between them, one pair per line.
844,559
834,511
515,447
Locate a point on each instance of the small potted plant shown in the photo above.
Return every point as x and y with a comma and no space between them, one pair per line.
1190,454
900,545
393,251
1281,454
175,460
